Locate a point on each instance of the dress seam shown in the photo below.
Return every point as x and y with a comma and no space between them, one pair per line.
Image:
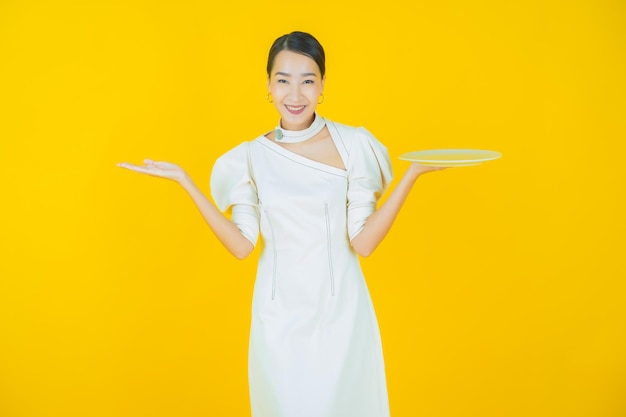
326,169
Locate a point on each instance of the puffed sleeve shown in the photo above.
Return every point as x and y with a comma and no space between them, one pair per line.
368,177
233,190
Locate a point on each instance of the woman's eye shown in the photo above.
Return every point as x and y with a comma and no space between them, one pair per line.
309,81
282,81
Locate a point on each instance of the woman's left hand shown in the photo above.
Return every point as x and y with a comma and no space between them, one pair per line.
418,169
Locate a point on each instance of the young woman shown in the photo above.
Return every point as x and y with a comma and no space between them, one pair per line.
309,187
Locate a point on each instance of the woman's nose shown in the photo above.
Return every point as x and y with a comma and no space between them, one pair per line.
294,92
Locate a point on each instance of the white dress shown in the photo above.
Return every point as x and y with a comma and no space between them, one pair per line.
315,348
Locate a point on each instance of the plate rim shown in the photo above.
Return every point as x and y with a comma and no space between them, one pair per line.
495,155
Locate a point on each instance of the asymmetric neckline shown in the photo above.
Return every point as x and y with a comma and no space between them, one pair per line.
308,161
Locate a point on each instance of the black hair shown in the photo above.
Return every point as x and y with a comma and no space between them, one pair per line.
299,42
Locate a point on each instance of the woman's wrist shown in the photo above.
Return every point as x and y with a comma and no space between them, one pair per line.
185,181
414,171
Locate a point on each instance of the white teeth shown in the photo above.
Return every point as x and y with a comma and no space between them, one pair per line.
294,108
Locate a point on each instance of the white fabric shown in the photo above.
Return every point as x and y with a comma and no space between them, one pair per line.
233,189
315,348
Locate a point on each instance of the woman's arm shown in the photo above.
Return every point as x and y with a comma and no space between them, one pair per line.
379,222
226,231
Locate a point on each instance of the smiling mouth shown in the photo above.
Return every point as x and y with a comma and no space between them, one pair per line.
295,109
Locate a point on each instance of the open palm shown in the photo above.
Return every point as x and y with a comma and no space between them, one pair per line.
157,169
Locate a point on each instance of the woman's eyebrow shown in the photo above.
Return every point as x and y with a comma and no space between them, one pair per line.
306,74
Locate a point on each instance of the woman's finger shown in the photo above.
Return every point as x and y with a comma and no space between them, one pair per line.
136,168
125,165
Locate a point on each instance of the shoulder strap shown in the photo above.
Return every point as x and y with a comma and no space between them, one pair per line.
340,143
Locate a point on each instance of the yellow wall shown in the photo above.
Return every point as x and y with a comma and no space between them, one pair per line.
500,291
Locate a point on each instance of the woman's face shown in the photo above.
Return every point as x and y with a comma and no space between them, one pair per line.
296,85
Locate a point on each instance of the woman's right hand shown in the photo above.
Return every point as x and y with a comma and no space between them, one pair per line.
157,169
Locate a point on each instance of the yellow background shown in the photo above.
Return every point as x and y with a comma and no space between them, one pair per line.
500,291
